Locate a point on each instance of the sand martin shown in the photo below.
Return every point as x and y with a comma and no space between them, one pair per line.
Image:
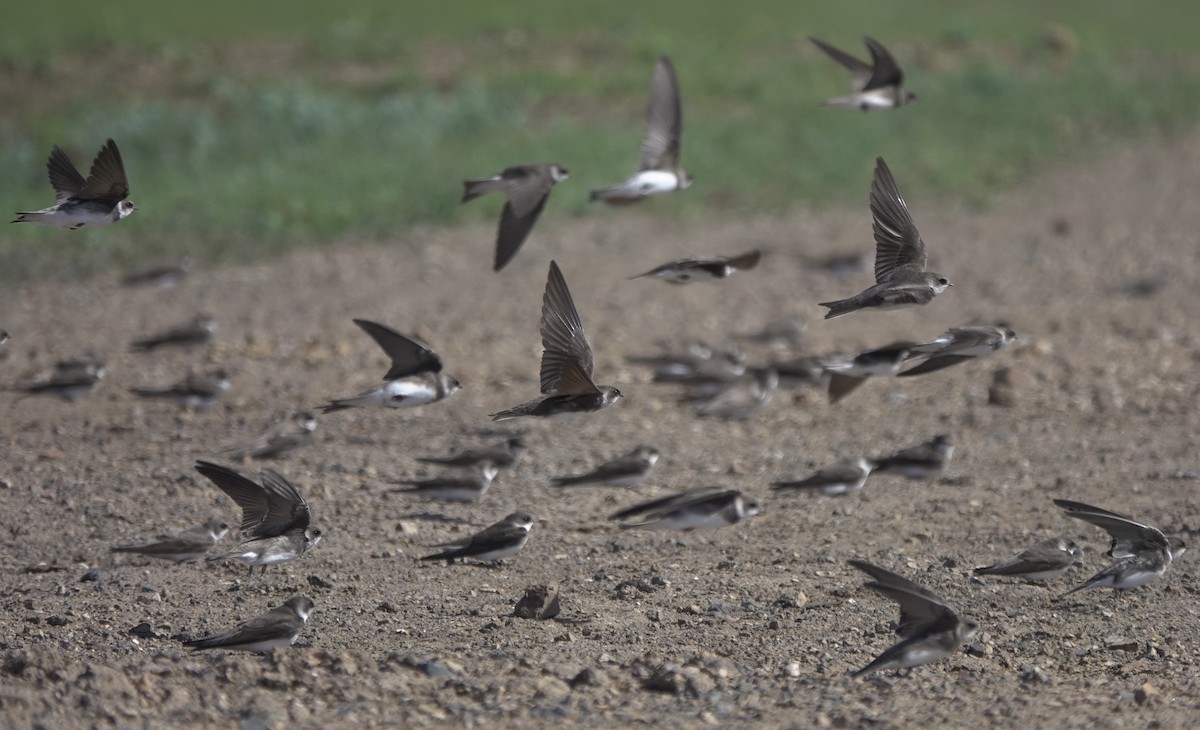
274,629
502,540
566,372
847,373
957,345
526,189
280,440
415,378
837,480
694,509
698,357
504,457
924,462
1039,564
658,167
180,547
929,627
160,275
777,333
623,471
1142,553
801,371
275,518
877,85
452,488
72,380
900,276
198,390
738,399
101,199
684,271
196,331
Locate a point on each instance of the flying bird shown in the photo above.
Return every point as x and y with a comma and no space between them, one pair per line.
566,372
1141,553
959,345
527,188
101,199
658,167
876,85
415,378
280,440
180,547
274,629
275,518
929,628
900,276
684,271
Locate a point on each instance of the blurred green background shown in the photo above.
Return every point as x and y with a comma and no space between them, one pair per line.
251,127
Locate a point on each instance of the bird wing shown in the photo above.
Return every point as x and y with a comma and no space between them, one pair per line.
106,180
251,497
664,126
886,71
64,178
567,356
897,241
409,356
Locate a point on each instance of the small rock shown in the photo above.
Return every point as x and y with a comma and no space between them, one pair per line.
57,620
144,631
317,581
1120,643
539,602
979,650
1145,693
1007,384
92,576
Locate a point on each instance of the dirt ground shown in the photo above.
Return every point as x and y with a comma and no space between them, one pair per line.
1095,267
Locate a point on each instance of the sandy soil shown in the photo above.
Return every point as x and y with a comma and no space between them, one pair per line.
1096,268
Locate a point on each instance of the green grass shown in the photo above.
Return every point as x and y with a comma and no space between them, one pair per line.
249,128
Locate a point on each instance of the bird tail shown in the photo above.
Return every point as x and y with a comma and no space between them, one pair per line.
839,307
474,188
27,217
841,386
335,405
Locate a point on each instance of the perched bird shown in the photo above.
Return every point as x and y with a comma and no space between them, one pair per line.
274,629
837,480
101,199
160,275
197,390
452,488
566,372
1142,553
923,462
527,188
958,345
738,399
196,331
415,378
900,276
1041,563
280,440
180,547
929,628
877,85
847,373
624,471
275,518
72,380
658,167
504,457
697,508
683,271
502,540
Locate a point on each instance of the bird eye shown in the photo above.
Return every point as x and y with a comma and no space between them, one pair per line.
943,282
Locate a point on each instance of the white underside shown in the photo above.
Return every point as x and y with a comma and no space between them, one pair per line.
645,184
394,394
72,218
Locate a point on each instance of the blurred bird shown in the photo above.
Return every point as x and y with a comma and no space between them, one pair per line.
527,188
846,374
198,390
280,440
1142,553
923,462
624,471
160,275
683,271
275,518
877,85
72,380
706,507
1039,564
101,199
504,457
837,480
777,333
414,379
502,540
196,331
658,166
274,629
452,488
180,547
959,345
740,398
929,627
566,373
900,276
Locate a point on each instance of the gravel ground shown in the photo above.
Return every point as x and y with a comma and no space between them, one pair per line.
1095,267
